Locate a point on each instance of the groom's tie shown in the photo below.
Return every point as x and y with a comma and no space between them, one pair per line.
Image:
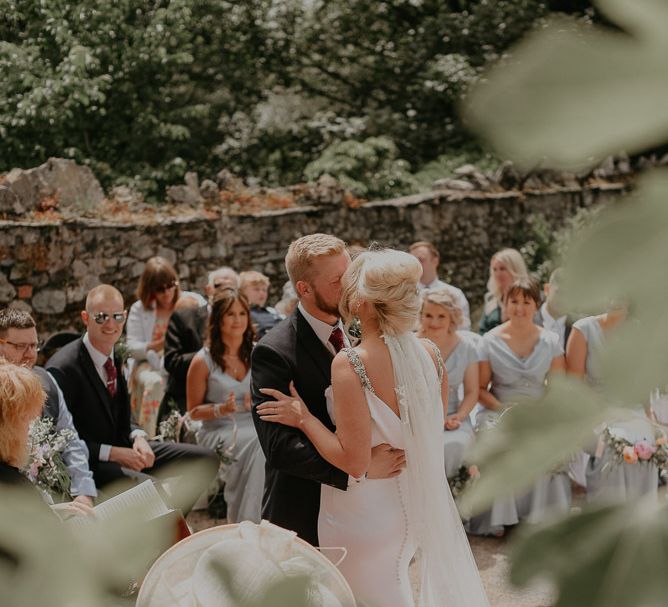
336,338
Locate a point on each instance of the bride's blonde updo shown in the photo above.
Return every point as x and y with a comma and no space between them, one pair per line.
388,280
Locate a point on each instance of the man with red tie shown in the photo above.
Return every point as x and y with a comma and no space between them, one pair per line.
299,352
89,374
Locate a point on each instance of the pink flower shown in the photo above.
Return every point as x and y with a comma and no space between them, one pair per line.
474,472
630,455
644,450
34,470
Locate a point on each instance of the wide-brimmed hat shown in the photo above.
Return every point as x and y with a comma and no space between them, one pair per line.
253,557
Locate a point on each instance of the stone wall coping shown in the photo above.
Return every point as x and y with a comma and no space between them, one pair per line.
446,195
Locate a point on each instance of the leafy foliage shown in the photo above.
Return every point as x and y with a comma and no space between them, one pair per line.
144,90
369,168
583,91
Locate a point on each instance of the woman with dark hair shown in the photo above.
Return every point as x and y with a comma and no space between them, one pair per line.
516,358
157,294
218,394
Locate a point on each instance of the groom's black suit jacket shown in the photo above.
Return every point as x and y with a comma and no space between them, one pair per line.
291,351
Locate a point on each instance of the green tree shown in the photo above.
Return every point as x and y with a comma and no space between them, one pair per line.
133,87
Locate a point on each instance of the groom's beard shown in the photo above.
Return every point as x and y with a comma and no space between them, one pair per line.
324,306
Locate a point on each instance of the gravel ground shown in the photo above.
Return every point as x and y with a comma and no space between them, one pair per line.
491,555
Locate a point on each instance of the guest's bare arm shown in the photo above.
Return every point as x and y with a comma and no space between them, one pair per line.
485,397
576,353
196,383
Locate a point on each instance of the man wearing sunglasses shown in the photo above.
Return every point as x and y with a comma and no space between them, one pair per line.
19,345
90,375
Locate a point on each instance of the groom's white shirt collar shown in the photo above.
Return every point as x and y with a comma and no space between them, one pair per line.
322,329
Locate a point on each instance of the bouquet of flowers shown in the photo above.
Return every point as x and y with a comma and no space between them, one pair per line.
623,450
169,430
464,477
46,467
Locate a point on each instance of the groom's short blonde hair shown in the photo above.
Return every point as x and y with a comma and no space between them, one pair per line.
305,250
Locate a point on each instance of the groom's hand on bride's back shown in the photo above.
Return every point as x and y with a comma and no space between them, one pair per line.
386,462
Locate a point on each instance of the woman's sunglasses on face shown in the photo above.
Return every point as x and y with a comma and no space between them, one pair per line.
167,287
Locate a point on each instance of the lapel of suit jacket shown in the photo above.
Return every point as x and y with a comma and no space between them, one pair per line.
309,340
91,372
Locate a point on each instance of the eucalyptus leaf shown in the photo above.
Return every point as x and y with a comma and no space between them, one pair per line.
532,439
623,257
40,564
609,556
572,93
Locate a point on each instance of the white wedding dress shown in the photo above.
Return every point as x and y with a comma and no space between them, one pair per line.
382,523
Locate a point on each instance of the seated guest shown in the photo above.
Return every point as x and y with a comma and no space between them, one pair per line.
19,345
439,318
22,401
517,358
157,294
506,267
289,300
255,288
219,395
609,474
91,378
429,257
185,335
550,315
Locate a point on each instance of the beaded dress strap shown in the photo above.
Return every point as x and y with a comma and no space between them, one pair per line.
358,365
439,360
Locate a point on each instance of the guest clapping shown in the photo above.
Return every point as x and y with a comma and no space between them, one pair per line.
218,393
157,294
439,319
506,267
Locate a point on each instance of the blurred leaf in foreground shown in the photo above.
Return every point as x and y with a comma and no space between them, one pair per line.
622,258
572,92
611,556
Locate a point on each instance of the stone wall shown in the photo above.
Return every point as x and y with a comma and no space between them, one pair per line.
48,267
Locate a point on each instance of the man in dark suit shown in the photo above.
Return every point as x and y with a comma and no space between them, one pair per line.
550,315
91,379
300,349
185,336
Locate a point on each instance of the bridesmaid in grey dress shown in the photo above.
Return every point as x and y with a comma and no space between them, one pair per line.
439,318
516,358
218,394
605,476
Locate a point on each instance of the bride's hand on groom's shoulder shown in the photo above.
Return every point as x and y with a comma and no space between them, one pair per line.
288,410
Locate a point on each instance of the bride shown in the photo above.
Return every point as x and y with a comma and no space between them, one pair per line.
389,389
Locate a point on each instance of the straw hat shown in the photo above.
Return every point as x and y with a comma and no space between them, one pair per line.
253,558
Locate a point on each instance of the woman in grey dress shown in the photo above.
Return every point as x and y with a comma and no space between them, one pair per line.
516,358
606,477
218,394
440,317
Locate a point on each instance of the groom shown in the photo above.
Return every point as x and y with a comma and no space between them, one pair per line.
300,349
